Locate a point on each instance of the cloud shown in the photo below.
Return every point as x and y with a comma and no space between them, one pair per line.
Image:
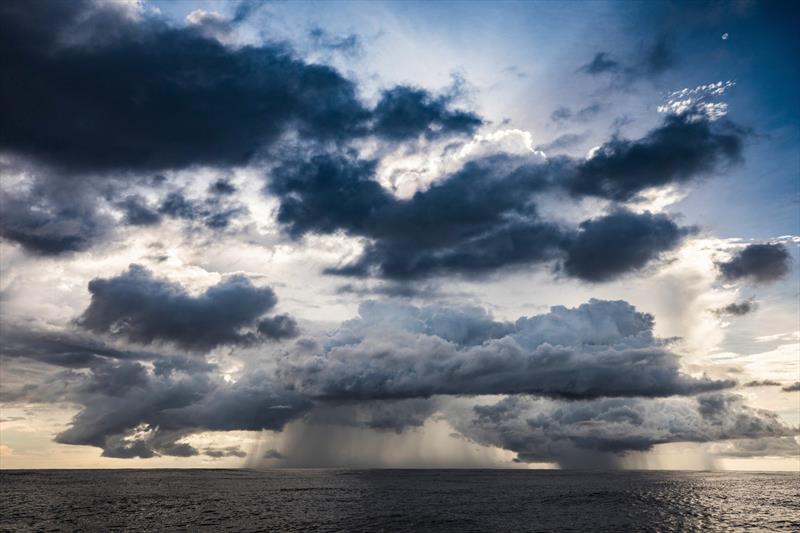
214,213
48,219
160,107
484,217
696,101
649,62
680,150
405,112
397,351
736,308
794,387
599,432
142,308
138,213
600,64
392,290
561,114
227,451
150,414
619,243
763,447
278,327
568,140
383,415
599,374
141,404
584,114
762,383
62,348
273,454
221,106
349,45
222,187
759,263
463,223
210,23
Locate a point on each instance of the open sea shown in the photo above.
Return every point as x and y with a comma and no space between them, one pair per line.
397,500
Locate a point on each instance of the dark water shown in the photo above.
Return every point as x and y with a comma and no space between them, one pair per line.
397,500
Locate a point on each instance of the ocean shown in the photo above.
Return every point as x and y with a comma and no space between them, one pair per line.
397,500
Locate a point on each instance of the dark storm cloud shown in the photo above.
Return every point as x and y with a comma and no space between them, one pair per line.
145,309
483,217
278,327
138,213
406,112
222,187
48,221
762,383
143,96
178,206
392,290
214,213
396,351
681,149
18,386
759,263
565,432
162,107
33,360
96,91
621,242
148,414
469,222
326,193
116,379
62,348
380,370
794,387
736,308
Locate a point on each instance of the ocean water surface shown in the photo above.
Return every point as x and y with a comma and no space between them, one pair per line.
397,500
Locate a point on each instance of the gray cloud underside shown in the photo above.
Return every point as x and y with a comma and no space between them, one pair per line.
387,370
736,308
764,447
792,387
576,432
169,407
759,263
142,308
396,351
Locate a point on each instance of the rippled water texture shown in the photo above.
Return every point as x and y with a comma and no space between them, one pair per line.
397,500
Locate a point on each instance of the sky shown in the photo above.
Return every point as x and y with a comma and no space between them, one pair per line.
399,234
